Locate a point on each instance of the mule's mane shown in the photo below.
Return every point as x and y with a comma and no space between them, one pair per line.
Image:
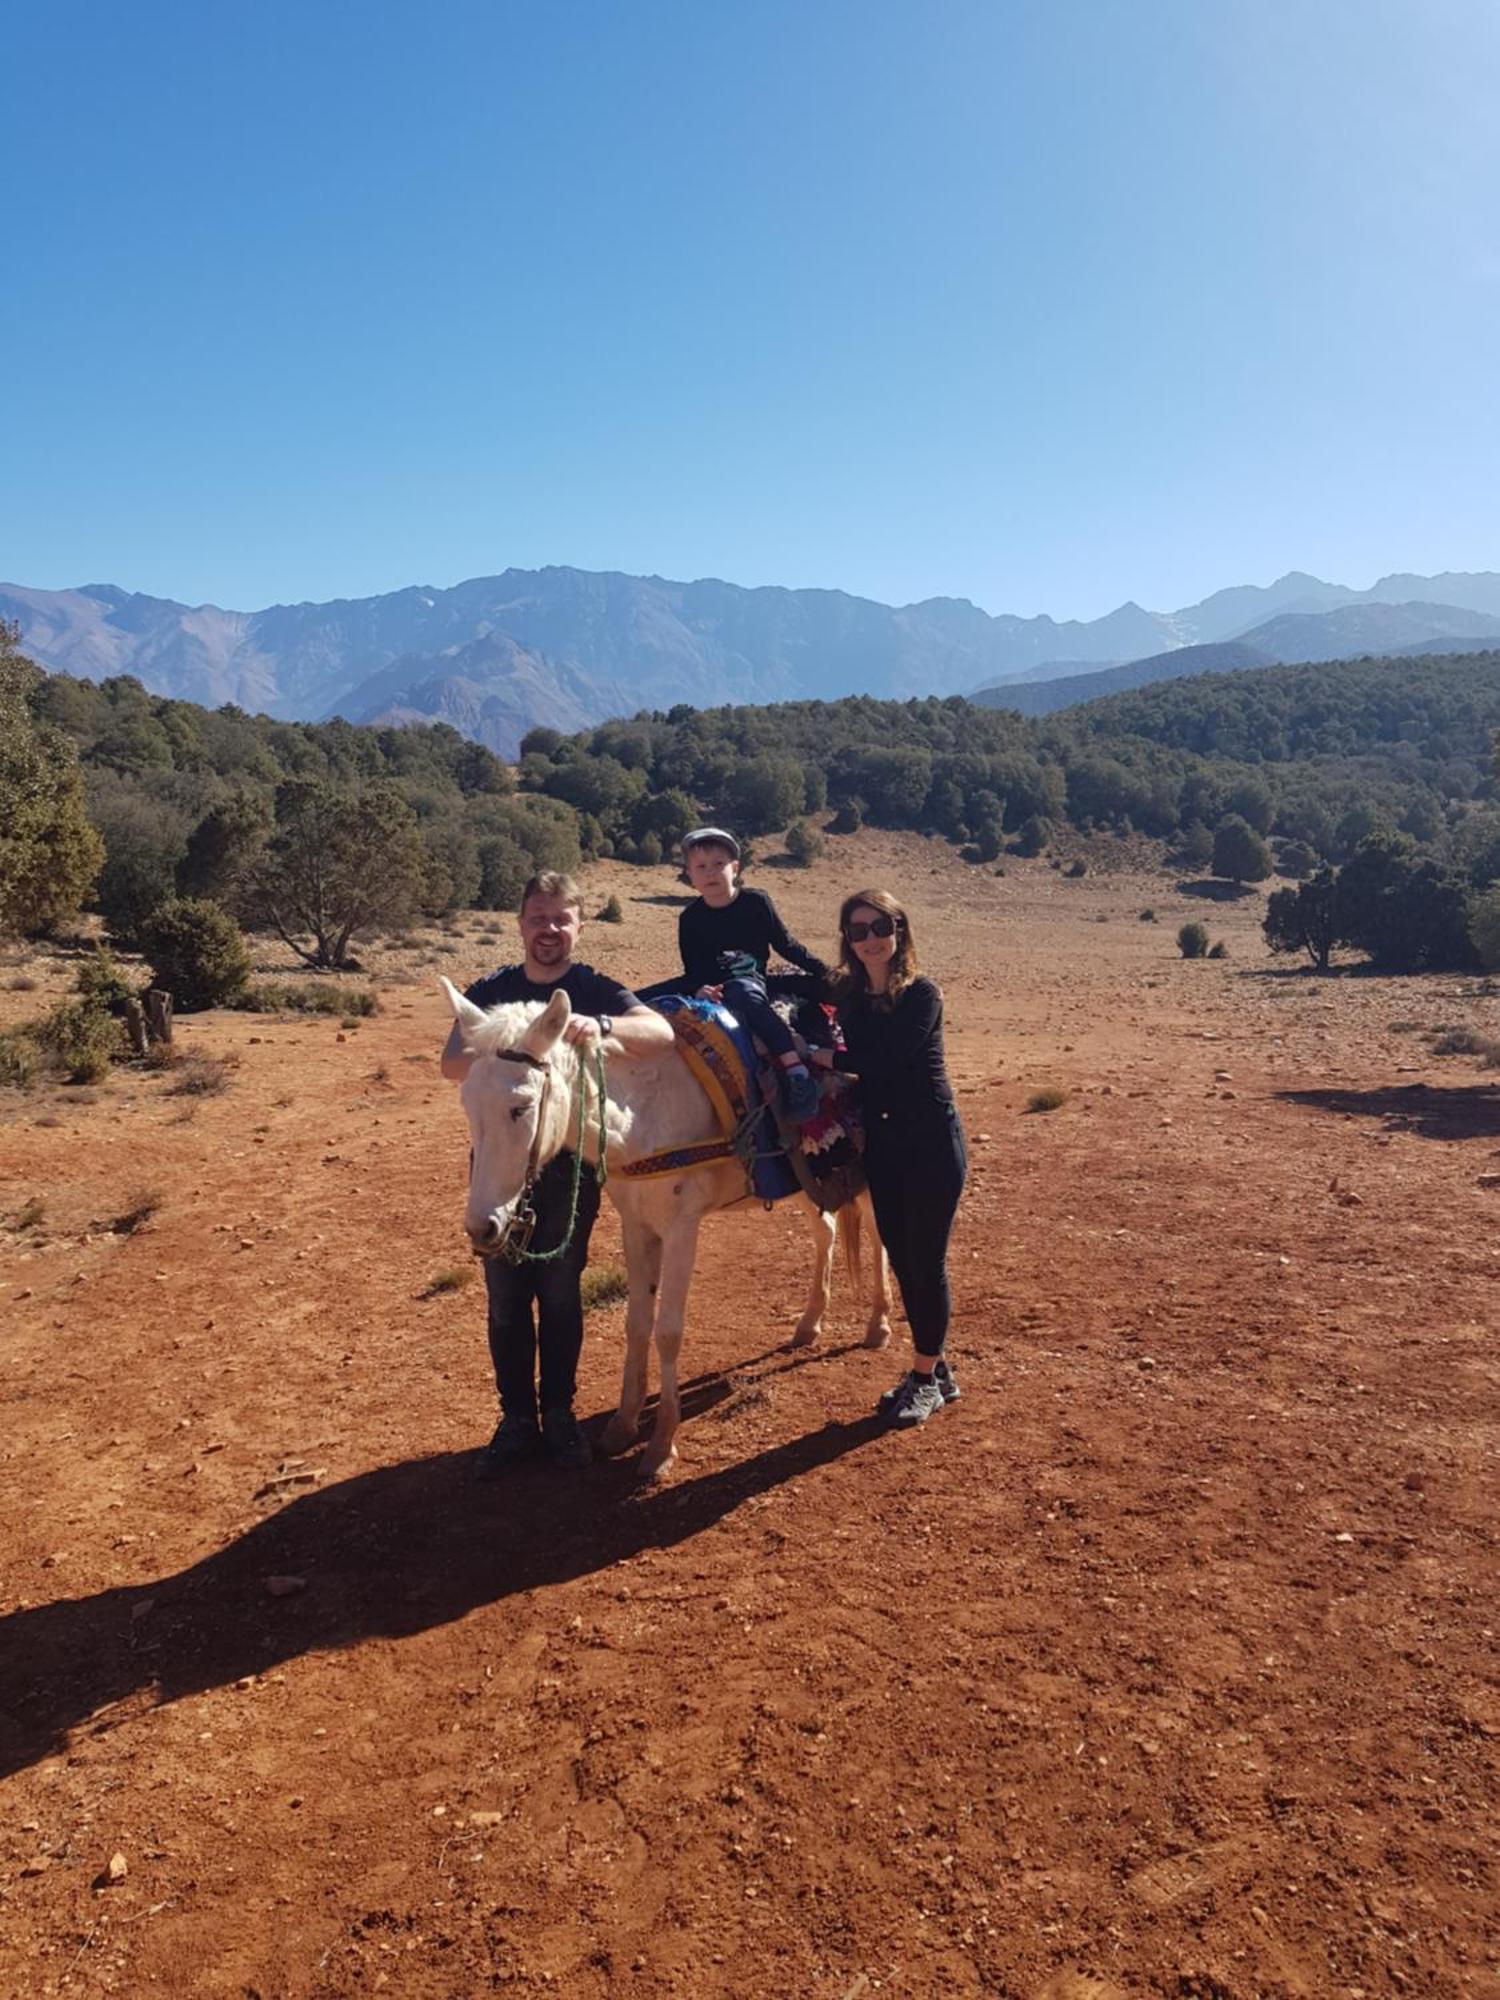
503,1026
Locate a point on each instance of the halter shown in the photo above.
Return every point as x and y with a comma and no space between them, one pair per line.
514,1246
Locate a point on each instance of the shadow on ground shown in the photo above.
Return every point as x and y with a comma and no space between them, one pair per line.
1430,1111
390,1553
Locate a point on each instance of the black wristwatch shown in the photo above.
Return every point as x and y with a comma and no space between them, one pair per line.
606,1022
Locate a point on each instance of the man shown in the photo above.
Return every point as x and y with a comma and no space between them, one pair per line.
603,1010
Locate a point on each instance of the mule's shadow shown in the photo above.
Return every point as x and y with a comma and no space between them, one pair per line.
1429,1111
386,1554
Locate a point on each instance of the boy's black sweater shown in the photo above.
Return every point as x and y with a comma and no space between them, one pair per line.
751,924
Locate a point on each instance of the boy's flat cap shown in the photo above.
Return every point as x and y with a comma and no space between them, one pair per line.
700,835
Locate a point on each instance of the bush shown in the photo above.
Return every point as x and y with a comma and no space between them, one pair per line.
1192,941
1035,834
49,853
1050,1098
100,982
1219,950
19,1059
849,818
603,1285
1148,916
1240,854
306,997
610,914
81,1040
1075,869
200,1076
196,954
648,850
802,844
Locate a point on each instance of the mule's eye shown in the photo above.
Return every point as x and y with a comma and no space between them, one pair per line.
519,1111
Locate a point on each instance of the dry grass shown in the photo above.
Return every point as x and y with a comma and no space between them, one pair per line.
1050,1098
201,1076
605,1285
452,1280
143,1204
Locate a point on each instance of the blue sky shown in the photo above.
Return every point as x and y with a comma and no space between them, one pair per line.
1045,303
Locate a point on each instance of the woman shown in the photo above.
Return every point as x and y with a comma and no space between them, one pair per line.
914,1148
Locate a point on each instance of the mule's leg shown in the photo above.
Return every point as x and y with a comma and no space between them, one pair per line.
878,1326
823,1228
643,1263
679,1252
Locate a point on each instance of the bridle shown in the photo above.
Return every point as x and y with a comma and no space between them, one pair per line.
514,1246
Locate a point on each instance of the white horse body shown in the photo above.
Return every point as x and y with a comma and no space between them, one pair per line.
523,1112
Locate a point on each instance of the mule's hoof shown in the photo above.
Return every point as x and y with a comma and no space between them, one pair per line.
656,1467
617,1438
878,1336
806,1336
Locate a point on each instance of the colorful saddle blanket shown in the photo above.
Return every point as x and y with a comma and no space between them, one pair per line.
721,1055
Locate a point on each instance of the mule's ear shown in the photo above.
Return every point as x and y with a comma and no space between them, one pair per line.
542,1036
467,1015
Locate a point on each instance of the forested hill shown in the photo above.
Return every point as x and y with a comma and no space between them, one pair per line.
1311,759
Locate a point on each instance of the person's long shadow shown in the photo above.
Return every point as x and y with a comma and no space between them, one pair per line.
1428,1111
389,1553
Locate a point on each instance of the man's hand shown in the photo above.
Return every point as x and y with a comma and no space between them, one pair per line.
582,1032
715,993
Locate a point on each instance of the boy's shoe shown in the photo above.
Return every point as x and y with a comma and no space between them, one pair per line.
916,1399
566,1444
515,1438
799,1093
942,1374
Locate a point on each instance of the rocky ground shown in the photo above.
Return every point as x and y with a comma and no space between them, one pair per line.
1162,1664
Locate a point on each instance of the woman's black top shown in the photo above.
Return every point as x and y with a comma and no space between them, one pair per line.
897,1054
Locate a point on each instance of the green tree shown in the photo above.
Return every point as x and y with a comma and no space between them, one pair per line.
196,953
1240,854
341,860
1305,918
49,853
803,846
223,848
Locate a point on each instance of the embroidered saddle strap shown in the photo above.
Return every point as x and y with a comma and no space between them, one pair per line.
678,1160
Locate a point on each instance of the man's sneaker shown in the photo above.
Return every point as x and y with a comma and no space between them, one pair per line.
942,1374
916,1399
800,1094
566,1444
515,1438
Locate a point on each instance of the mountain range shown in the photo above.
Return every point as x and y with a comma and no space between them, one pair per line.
566,647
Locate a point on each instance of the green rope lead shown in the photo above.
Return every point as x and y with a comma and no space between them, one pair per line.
601,1172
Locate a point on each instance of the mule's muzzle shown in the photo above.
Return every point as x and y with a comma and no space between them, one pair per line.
486,1237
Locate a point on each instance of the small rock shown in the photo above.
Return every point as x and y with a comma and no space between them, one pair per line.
285,1586
1146,1361
1343,1536
1487,1180
1222,1076
118,1867
486,1818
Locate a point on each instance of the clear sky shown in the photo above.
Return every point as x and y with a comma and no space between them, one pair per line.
1045,303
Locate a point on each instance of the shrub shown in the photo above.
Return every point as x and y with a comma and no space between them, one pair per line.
803,846
603,1285
849,818
452,1280
1148,916
1240,854
1035,834
196,953
1192,941
49,853
648,850
610,914
1049,1098
82,1040
1075,869
142,1206
1219,950
306,997
19,1059
200,1076
100,982
22,983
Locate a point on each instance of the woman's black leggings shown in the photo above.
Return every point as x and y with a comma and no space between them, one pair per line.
915,1184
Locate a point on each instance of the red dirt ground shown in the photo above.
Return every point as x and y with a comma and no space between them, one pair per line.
1162,1664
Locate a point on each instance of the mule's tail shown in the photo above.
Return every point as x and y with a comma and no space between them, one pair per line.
851,1230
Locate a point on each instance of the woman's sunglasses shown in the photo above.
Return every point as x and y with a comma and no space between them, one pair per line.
881,927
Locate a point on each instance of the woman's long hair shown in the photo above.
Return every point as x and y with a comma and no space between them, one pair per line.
850,982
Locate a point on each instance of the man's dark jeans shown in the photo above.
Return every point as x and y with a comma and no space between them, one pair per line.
552,1289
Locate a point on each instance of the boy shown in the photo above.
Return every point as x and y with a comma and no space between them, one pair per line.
726,938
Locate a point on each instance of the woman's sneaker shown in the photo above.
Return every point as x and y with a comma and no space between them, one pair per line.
943,1375
914,1401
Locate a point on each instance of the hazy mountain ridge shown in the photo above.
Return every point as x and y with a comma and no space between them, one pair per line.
1293,638
570,647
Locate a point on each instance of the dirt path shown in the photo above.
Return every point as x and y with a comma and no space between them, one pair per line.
1162,1664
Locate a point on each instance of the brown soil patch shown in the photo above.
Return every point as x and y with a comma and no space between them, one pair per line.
1162,1664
